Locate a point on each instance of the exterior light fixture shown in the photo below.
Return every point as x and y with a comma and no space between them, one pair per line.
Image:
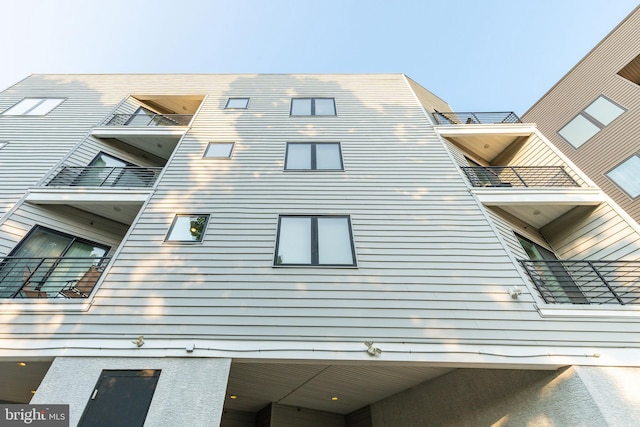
22,363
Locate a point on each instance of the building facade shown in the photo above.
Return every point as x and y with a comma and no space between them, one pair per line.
593,114
286,250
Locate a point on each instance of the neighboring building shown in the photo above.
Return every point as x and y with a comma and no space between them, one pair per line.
276,250
593,114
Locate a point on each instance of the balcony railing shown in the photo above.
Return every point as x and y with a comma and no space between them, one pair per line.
145,120
586,282
67,277
101,176
457,118
519,176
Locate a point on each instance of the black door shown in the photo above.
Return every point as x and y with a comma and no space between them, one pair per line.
121,398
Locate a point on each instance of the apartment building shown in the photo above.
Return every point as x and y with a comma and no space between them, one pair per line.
288,250
593,114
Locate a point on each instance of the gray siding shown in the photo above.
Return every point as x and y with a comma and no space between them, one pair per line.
432,268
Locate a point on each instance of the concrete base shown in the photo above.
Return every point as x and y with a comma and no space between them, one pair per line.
190,391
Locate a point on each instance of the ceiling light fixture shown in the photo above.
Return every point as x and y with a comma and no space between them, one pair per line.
22,363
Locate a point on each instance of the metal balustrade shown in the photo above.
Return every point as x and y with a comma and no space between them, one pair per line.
466,118
519,176
67,277
102,176
145,120
585,282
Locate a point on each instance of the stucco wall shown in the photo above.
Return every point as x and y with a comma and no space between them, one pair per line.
190,391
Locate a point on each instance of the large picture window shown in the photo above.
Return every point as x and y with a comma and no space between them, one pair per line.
627,176
590,121
33,107
313,156
315,240
313,107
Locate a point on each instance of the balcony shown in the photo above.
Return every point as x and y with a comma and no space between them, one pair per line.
585,282
145,120
519,176
64,278
100,176
479,118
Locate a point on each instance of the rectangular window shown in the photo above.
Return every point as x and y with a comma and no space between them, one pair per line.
33,107
313,107
590,121
187,228
219,150
313,156
627,176
237,103
315,240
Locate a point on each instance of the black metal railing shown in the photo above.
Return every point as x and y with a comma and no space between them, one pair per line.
67,277
465,118
519,176
585,282
102,176
145,120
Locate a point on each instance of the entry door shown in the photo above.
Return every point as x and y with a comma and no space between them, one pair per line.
121,398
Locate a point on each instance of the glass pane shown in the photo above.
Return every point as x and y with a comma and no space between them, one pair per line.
107,160
187,228
22,107
294,243
328,156
325,107
334,241
301,107
604,110
46,106
627,176
237,103
578,131
298,156
141,117
219,150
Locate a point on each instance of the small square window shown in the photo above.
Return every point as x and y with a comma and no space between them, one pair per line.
187,228
604,110
315,241
313,107
237,103
579,130
33,107
627,176
219,150
313,156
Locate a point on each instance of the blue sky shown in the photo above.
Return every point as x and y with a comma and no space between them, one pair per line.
478,55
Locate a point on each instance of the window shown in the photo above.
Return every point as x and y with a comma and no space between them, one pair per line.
590,121
313,156
627,176
550,276
187,228
120,398
237,103
631,71
33,107
313,107
315,240
219,149
46,261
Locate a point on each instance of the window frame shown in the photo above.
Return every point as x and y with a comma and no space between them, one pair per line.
313,161
607,174
591,119
33,107
246,106
314,243
206,150
168,238
313,107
